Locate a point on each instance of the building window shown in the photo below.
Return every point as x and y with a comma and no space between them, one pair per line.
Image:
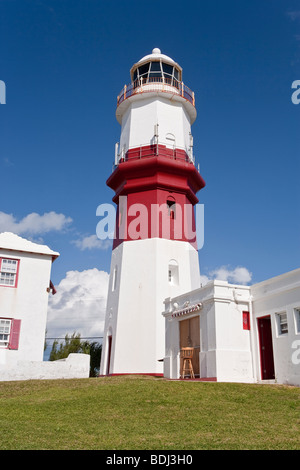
157,71
9,272
9,333
282,324
297,319
5,325
173,273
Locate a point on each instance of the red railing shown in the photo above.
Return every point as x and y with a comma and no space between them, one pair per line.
156,84
154,150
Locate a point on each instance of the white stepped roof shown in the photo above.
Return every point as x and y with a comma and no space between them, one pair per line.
156,54
11,241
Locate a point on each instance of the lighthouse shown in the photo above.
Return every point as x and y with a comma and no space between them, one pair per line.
155,181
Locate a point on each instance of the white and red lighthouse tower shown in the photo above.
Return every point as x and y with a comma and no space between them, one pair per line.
155,182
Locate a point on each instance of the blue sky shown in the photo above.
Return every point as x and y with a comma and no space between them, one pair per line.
64,63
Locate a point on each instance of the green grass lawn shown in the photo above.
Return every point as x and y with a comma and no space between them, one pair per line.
146,413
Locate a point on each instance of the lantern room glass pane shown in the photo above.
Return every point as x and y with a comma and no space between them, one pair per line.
167,69
155,75
4,332
155,67
155,71
144,69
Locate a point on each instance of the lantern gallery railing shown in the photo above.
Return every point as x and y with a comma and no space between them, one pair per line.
153,84
152,150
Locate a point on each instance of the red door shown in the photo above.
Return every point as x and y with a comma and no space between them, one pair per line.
266,348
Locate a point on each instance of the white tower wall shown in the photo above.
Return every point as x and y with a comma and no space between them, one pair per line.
143,114
135,303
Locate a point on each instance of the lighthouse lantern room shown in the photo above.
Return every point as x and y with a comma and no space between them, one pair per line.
155,182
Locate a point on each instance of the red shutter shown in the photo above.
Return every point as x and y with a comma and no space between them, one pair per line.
246,321
14,334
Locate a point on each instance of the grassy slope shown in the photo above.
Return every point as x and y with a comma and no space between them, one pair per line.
147,413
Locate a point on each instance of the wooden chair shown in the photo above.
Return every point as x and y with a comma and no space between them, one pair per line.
187,366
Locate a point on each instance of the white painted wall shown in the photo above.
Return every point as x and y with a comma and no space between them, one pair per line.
270,297
27,302
227,351
225,348
75,366
133,314
233,343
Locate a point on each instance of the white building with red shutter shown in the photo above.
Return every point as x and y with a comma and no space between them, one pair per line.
238,333
25,269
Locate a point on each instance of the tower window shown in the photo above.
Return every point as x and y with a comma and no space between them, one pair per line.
171,208
8,272
173,273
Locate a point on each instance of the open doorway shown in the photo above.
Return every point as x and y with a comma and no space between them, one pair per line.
266,348
190,337
109,341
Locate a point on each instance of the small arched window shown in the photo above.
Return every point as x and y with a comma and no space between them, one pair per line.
115,275
170,141
173,273
170,137
171,203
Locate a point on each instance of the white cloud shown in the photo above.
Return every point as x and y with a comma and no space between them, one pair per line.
204,280
7,162
238,275
33,224
92,242
78,305
294,15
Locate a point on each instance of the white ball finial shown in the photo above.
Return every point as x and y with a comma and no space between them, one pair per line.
156,51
